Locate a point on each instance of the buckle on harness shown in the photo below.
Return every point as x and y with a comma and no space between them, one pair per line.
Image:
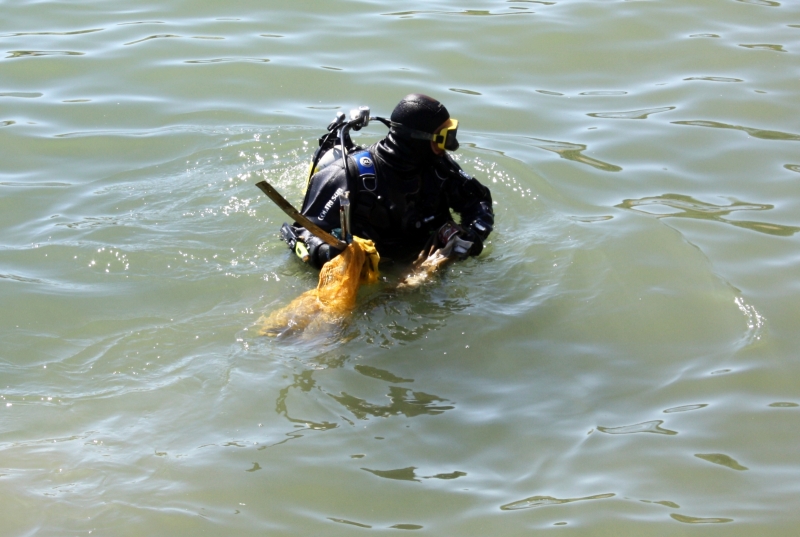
366,170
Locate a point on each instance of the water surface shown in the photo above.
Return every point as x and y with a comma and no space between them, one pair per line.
620,359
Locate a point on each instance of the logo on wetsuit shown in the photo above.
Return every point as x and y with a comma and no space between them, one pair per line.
365,162
339,191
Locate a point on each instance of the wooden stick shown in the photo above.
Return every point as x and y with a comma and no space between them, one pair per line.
281,202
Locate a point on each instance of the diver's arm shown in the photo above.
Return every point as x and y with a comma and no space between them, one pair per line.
471,200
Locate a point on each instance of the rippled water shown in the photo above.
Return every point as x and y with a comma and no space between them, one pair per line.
620,360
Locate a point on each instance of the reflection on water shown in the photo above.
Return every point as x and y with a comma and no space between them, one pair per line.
21,94
349,522
755,133
665,503
604,93
722,460
714,78
574,152
774,48
35,53
684,408
380,374
76,32
392,318
409,474
229,60
401,474
159,36
404,402
645,427
766,3
464,91
688,207
304,382
632,114
542,501
698,520
468,12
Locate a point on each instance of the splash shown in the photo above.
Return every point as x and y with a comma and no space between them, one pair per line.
755,321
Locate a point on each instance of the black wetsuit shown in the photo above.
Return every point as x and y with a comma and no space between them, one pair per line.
410,198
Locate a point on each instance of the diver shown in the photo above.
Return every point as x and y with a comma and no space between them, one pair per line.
399,192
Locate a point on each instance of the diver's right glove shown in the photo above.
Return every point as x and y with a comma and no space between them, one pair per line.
457,241
476,232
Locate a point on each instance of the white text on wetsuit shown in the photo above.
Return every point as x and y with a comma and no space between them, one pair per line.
330,203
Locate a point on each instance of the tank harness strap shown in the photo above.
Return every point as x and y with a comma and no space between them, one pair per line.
367,207
366,170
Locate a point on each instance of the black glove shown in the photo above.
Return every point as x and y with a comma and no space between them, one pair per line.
476,232
450,231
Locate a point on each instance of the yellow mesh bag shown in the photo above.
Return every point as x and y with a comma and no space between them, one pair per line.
335,295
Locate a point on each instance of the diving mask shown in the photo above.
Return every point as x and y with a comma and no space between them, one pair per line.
445,138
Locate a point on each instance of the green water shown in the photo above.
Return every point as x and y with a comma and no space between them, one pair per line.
621,359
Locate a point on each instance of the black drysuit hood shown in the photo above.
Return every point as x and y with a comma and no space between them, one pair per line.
401,153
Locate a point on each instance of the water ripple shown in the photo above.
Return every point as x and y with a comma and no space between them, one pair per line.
722,460
380,374
35,53
467,12
755,133
688,207
349,522
574,152
43,184
76,32
157,36
696,520
543,501
766,3
715,79
21,95
229,60
604,93
401,474
464,91
404,402
645,427
23,279
632,114
139,22
765,46
685,408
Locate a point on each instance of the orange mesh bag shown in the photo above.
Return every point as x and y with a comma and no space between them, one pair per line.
335,296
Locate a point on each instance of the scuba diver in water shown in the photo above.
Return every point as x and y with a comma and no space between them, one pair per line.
397,192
